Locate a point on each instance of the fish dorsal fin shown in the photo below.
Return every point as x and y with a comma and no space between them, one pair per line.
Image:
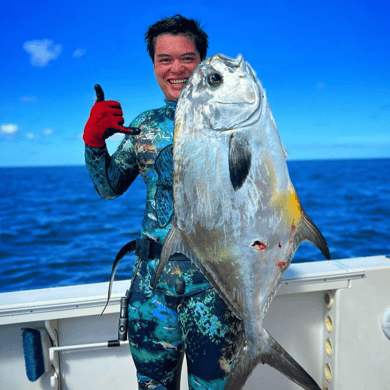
308,231
240,160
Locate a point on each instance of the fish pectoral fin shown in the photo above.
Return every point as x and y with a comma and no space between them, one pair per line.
277,357
308,231
240,160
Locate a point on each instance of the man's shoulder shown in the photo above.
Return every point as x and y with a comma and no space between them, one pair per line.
147,115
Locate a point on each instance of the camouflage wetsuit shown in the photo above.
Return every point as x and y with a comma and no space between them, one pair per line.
185,313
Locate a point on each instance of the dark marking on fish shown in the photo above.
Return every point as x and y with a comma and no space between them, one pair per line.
240,160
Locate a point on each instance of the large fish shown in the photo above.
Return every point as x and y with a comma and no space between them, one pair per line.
237,215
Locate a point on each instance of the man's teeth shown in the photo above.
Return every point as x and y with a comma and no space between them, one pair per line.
177,81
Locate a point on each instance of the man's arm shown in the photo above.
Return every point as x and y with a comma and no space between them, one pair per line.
111,176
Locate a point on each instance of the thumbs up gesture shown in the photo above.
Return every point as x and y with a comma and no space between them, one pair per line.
106,119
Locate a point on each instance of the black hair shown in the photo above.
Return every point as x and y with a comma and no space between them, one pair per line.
175,25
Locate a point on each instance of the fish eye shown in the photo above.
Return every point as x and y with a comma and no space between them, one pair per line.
214,79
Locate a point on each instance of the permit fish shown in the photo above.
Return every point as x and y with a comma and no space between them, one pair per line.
237,215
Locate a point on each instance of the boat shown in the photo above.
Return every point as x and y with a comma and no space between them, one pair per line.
333,317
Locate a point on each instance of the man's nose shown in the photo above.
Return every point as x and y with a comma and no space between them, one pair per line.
177,67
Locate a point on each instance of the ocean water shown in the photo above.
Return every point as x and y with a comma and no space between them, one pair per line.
56,231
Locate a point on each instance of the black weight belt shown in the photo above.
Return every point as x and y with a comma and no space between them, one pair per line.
145,249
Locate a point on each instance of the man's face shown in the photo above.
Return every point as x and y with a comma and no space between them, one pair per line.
175,57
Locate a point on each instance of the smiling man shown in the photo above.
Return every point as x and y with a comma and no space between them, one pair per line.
175,58
184,315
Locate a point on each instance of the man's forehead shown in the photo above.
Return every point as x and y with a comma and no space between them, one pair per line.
173,44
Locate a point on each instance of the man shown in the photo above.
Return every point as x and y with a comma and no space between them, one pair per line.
185,314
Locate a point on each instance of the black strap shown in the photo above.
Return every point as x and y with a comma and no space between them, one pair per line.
144,249
129,247
147,249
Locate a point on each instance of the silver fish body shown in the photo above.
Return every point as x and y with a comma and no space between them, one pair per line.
237,215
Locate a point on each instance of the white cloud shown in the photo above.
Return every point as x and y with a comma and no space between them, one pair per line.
42,51
41,135
9,129
79,53
11,132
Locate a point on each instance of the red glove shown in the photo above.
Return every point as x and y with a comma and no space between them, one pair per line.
106,119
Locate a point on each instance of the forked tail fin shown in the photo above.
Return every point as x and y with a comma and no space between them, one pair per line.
242,366
276,357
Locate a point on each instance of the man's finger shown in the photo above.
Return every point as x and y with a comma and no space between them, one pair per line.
128,130
120,129
99,93
134,130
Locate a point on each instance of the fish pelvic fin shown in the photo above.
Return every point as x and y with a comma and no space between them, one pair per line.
240,160
277,357
168,249
173,244
308,231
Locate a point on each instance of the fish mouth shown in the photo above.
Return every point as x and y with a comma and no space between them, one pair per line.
240,100
239,118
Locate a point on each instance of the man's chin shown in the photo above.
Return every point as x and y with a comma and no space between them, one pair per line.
173,96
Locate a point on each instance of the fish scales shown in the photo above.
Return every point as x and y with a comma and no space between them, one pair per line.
237,215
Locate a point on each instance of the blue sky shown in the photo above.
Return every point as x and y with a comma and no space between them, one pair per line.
325,67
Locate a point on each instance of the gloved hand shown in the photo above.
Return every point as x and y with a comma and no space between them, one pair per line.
106,119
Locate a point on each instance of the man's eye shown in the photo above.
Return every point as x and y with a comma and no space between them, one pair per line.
188,59
165,60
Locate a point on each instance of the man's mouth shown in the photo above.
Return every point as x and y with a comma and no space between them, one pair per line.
177,81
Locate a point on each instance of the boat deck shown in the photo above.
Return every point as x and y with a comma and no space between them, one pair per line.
330,316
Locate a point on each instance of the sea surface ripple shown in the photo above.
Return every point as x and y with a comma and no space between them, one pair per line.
56,231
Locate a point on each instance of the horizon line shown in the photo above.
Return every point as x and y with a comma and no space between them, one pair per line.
288,160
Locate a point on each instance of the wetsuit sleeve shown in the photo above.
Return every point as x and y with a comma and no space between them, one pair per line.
112,175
